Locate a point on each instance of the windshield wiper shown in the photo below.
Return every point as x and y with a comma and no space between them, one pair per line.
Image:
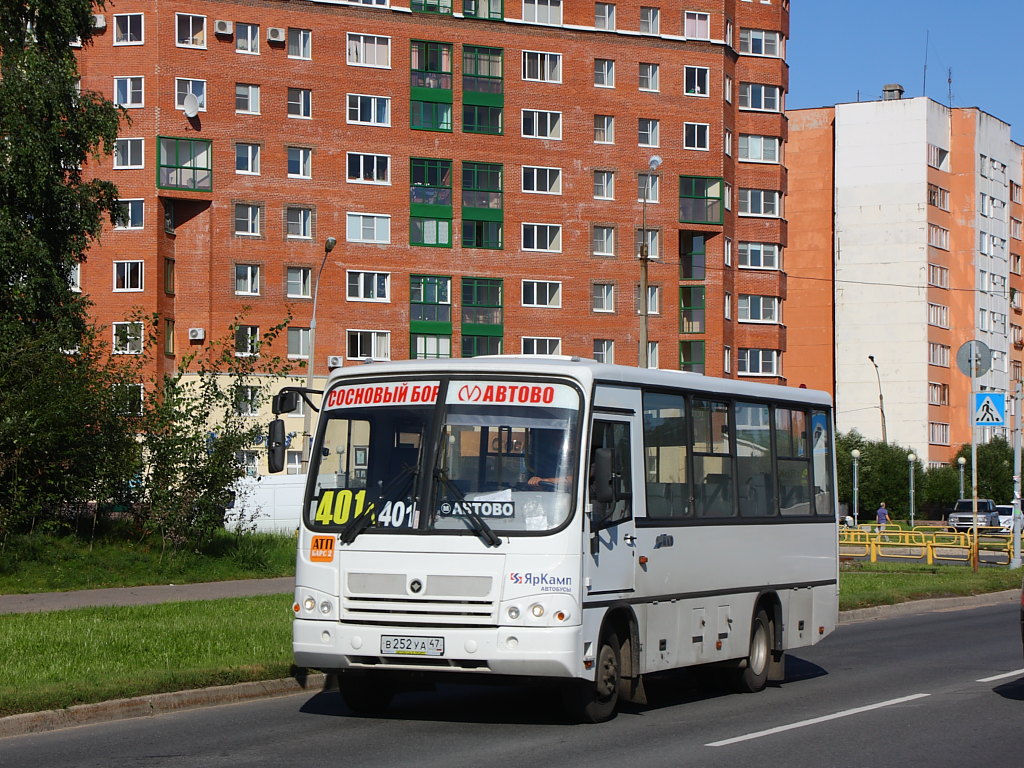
359,524
479,525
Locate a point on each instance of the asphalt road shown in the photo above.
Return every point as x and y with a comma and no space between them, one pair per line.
945,688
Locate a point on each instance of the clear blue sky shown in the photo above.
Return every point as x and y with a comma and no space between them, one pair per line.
839,48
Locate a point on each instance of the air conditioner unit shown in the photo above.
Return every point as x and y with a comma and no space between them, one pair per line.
222,27
276,35
335,361
196,334
99,21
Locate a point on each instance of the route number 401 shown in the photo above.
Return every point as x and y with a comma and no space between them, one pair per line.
337,507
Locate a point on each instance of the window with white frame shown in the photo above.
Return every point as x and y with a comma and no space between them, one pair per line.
541,345
760,42
602,239
247,340
727,89
604,15
247,159
604,73
602,297
650,77
759,202
247,99
540,180
695,81
129,92
293,461
365,168
368,286
727,251
758,309
543,11
604,351
653,299
727,141
696,136
128,29
131,214
759,149
298,221
247,38
998,324
938,236
650,20
938,433
247,219
760,97
604,185
983,320
75,278
542,67
696,25
938,157
300,103
1015,192
298,281
247,279
727,359
128,153
648,187
542,293
652,354
190,30
364,345
604,129
368,228
184,86
128,276
542,237
127,338
298,343
938,393
300,163
540,124
1016,228
300,43
938,197
938,354
758,362
727,305
648,132
938,276
369,51
652,237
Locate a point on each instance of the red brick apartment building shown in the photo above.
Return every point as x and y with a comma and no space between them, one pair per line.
483,168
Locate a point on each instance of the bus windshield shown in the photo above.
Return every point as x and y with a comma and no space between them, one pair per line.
494,458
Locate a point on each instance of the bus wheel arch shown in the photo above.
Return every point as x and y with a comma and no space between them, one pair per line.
616,670
764,660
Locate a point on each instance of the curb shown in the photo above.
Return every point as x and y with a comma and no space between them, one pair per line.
162,703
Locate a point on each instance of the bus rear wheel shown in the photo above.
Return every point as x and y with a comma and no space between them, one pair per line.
752,675
595,702
365,694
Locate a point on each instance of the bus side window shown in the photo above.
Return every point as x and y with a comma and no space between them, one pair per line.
611,482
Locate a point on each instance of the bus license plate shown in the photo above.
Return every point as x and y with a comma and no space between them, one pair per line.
404,645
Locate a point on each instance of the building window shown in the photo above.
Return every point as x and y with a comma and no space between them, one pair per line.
543,11
168,337
247,279
247,99
190,30
298,343
369,286
649,77
938,157
300,43
604,185
653,299
169,276
431,346
128,92
430,194
128,153
368,228
482,189
938,315
759,255
938,394
75,278
938,236
691,309
692,256
700,200
691,356
695,136
542,293
538,124
128,29
542,237
759,362
759,149
430,231
127,338
727,305
185,86
938,354
482,303
604,15
602,239
695,81
1015,192
650,20
247,159
368,169
432,6
128,276
651,238
374,345
938,276
648,132
541,345
482,70
697,26
300,163
759,97
298,282
648,188
300,103
602,297
604,73
131,214
604,129
430,116
482,234
247,219
298,223
760,42
938,433
759,202
542,181
484,9
938,197
369,51
542,67
430,299
758,309
604,351
482,119
247,38
727,359
247,340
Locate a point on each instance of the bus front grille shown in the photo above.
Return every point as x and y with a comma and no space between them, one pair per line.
411,611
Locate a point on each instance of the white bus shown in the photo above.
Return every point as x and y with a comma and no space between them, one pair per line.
563,519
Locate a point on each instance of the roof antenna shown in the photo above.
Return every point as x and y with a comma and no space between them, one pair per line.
949,86
924,79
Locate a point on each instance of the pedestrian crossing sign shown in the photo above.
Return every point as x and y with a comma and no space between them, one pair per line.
989,409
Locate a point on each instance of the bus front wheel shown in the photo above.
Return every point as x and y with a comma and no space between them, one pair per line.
595,702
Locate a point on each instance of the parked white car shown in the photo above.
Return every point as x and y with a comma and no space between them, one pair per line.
1005,518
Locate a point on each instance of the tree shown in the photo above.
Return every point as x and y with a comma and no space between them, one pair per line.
884,474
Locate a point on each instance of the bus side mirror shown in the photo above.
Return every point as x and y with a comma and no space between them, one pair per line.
275,446
285,402
602,488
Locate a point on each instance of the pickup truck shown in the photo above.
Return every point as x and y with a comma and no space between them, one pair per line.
962,516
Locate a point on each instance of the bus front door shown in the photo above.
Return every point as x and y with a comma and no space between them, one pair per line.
611,564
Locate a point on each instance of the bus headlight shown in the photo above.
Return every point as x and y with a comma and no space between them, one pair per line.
513,612
537,610
309,603
326,607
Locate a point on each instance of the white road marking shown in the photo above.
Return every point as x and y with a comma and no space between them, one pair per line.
1000,677
816,720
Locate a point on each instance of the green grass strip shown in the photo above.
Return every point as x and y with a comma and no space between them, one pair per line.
862,585
57,659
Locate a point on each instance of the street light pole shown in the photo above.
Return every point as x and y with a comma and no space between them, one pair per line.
855,453
329,244
653,164
881,403
911,458
961,461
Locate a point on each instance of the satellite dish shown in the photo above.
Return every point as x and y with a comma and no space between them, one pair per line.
191,105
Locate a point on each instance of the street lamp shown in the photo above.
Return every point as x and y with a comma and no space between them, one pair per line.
961,461
653,164
329,244
881,403
911,458
855,453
